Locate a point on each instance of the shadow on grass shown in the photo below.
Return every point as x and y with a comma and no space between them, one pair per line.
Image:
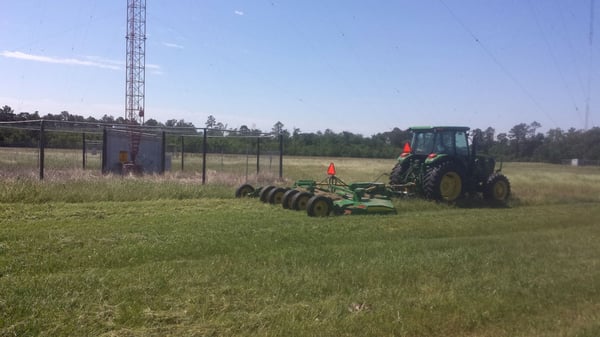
479,202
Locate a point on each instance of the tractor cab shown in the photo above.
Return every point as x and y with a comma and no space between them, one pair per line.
434,144
430,142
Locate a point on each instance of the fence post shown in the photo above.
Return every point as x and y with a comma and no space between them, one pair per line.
104,148
204,147
182,153
83,152
162,153
257,155
41,148
280,156
247,160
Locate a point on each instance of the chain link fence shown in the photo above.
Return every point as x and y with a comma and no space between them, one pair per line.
37,147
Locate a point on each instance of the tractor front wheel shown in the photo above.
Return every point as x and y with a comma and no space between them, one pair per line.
497,188
319,206
443,182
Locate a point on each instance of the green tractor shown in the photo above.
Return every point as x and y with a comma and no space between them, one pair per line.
440,164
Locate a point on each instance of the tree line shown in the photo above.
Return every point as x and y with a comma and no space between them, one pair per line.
522,142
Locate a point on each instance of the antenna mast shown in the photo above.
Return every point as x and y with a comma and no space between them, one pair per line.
135,69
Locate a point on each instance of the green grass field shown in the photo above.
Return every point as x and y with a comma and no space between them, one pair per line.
89,255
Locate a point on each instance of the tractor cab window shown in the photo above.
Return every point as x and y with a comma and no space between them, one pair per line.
462,147
444,143
422,143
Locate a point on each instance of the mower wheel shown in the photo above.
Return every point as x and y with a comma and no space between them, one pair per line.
497,188
276,195
319,205
286,201
300,200
264,193
443,182
244,191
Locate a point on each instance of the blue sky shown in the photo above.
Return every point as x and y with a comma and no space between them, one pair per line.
359,66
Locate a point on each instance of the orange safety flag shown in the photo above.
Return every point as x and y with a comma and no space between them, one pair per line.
331,170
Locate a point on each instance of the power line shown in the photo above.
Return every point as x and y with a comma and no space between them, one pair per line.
591,65
497,61
553,56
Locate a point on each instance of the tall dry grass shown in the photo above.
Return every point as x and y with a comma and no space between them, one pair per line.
64,180
535,183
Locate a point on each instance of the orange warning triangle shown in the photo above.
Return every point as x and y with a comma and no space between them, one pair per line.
331,170
406,148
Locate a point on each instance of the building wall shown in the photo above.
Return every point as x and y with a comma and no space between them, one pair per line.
149,156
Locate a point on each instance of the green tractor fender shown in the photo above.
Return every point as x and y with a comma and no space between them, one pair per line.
436,159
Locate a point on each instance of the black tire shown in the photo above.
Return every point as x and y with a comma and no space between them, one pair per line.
264,193
286,201
319,206
300,200
444,182
244,191
276,195
497,189
398,174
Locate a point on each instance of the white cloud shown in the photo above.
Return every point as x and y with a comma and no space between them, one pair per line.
154,69
120,63
240,13
172,45
90,62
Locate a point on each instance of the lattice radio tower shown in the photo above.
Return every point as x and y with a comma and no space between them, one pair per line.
135,69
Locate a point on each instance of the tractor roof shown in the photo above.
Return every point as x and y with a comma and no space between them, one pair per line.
438,128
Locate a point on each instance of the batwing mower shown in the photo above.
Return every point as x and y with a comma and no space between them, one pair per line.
331,196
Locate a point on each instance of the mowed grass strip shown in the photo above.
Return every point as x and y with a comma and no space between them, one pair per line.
225,267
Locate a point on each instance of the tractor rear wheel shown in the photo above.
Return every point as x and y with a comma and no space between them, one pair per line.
300,200
286,201
264,193
244,191
319,205
497,188
398,173
276,195
443,182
